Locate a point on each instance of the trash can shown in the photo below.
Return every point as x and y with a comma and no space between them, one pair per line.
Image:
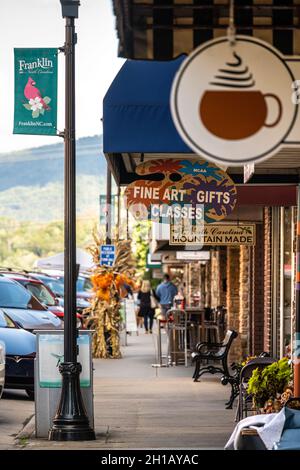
47,378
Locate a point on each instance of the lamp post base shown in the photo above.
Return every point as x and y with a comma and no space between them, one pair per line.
66,433
71,422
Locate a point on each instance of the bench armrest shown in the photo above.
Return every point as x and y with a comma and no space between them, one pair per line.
208,345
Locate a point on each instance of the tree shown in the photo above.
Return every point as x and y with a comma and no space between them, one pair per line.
22,243
141,240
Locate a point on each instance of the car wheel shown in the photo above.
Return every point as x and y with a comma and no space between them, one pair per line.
30,393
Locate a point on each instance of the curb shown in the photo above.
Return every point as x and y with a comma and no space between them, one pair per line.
28,429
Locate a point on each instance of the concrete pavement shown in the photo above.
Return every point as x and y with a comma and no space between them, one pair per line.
15,410
138,406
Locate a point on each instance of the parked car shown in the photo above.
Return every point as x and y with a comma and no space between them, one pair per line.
41,291
2,367
20,351
56,284
24,309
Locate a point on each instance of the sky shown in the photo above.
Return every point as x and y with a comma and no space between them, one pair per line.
38,23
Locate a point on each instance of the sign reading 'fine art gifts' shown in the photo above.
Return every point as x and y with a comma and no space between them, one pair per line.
35,91
180,188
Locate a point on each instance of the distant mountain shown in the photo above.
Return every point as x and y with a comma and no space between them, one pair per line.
31,181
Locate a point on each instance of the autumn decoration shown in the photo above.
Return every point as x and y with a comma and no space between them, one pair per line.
110,284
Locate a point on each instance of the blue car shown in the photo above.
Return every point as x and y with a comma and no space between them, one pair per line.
20,349
24,309
2,367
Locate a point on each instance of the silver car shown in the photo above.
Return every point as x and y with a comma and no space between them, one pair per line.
2,367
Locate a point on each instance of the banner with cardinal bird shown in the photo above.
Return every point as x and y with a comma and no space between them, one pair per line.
35,91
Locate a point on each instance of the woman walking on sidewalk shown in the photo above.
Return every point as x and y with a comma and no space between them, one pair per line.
147,304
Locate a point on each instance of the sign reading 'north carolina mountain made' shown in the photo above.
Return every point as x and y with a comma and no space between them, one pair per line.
181,189
225,235
35,91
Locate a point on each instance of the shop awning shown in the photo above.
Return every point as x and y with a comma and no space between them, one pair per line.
137,126
136,110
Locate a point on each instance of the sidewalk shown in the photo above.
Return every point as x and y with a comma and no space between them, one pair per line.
138,406
15,410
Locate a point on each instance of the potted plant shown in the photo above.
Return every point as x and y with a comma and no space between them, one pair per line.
269,383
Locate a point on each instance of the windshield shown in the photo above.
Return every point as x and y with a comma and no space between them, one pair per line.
83,284
13,295
56,286
41,293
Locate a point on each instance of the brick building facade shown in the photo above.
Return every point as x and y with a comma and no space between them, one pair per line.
249,283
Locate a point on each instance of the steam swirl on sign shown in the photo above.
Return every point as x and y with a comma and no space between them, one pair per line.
235,75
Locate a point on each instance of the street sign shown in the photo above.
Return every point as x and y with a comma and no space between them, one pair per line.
153,260
193,255
130,315
103,208
233,104
107,255
249,170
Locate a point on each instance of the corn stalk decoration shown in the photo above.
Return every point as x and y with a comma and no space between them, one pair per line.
103,315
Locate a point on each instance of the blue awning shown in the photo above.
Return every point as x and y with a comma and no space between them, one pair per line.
136,110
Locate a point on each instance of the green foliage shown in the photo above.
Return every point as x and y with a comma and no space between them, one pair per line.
45,203
140,244
268,382
31,199
31,181
21,244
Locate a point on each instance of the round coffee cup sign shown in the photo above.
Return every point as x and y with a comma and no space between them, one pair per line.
232,103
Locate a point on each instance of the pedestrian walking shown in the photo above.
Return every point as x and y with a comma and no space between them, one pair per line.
139,316
165,293
148,303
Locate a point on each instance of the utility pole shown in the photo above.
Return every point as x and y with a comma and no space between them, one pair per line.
108,237
71,422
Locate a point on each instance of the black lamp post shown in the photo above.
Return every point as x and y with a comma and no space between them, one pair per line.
71,422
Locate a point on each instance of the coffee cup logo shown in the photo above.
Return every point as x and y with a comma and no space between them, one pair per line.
235,110
225,96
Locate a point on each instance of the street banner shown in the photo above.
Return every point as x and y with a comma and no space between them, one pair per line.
35,91
214,235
